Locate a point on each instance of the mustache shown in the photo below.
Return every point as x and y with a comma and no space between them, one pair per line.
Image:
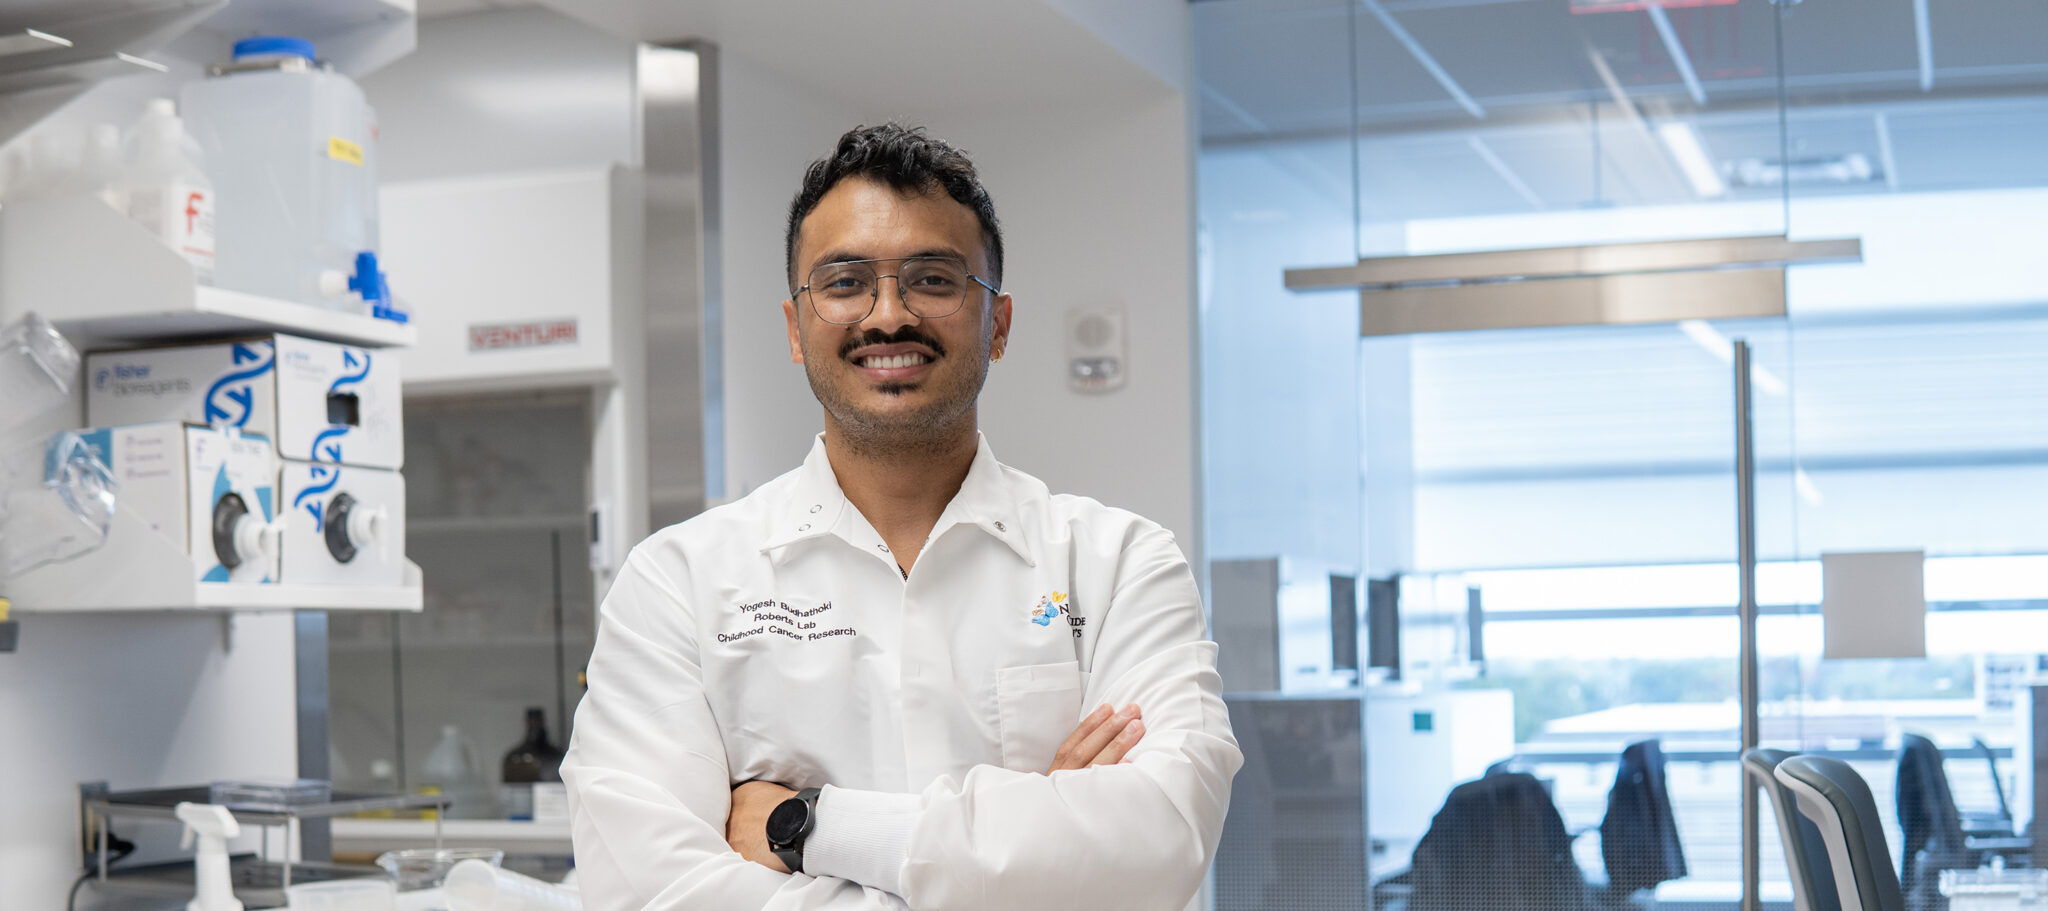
906,335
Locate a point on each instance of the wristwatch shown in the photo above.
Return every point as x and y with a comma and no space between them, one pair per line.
789,824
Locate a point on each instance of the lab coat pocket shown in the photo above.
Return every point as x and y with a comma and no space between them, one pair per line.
1037,707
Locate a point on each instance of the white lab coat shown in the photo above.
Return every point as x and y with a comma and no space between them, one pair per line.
773,638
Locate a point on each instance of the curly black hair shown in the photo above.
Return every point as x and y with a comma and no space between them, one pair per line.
907,159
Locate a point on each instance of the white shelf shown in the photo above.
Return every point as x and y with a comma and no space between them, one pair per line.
103,280
140,569
368,836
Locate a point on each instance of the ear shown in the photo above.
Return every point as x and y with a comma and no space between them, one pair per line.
796,348
1000,341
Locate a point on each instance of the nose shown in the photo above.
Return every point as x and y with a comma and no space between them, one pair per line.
891,310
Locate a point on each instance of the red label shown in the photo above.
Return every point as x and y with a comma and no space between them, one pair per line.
522,335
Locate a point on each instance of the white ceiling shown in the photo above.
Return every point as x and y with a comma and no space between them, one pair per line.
887,57
1275,74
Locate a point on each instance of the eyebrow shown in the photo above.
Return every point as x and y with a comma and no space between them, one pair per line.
841,256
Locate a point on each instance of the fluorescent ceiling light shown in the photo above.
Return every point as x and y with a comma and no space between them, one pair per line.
1685,148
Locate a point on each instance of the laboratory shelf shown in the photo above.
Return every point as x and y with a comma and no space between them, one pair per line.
161,803
105,281
258,883
141,569
432,525
366,836
258,880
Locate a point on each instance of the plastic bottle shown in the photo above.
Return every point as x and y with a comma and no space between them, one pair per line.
294,145
100,168
212,825
451,767
533,760
165,184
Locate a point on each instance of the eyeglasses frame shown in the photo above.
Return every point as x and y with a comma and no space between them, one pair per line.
875,295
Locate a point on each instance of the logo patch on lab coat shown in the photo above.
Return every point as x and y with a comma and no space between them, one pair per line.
1054,606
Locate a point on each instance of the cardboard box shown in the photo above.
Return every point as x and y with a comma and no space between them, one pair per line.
211,492
344,525
317,401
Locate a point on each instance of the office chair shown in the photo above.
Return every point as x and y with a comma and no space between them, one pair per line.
1931,829
1838,802
1806,854
1498,844
2000,825
1639,837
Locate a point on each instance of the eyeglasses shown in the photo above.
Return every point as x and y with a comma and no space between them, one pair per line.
844,293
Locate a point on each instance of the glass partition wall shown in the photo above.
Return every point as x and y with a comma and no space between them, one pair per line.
1544,520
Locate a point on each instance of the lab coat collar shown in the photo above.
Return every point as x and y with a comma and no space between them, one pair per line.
988,499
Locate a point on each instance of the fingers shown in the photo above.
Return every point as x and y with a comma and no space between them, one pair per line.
1065,757
1096,733
1114,751
1092,745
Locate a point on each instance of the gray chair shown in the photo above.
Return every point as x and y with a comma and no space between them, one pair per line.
1838,801
1806,853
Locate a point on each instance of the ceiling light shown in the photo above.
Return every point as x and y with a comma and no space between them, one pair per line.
1685,148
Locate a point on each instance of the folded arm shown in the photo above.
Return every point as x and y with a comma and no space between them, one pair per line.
1132,835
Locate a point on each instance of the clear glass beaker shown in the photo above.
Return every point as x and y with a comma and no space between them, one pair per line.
425,868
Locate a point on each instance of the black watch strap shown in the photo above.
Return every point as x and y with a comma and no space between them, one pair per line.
790,824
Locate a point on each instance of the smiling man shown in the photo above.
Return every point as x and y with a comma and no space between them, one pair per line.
903,674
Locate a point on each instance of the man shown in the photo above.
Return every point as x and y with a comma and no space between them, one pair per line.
904,670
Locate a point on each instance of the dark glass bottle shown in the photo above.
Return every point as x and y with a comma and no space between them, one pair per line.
533,760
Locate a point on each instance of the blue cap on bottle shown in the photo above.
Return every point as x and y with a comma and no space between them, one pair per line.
273,46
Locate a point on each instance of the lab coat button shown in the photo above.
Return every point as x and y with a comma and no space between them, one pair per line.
804,527
999,527
884,547
817,506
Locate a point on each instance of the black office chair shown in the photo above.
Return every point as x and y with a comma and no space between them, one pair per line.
2001,824
1838,802
1932,837
1806,854
1639,836
1498,844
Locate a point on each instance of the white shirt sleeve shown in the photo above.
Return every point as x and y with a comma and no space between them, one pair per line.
1136,836
648,785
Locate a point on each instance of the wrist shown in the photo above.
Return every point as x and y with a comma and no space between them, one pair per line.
789,827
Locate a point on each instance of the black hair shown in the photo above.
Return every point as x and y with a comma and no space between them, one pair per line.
905,159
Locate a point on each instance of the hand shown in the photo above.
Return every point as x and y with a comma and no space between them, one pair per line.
1101,739
746,827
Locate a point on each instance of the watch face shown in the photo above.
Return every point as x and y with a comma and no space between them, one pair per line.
787,821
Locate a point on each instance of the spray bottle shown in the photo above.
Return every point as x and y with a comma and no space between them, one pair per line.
213,825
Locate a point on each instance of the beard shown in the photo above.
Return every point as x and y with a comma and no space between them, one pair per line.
863,414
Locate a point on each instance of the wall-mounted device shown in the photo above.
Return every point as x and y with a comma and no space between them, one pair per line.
1097,354
320,402
213,492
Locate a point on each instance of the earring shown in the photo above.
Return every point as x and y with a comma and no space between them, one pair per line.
997,357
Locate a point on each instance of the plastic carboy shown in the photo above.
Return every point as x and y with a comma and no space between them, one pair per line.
292,145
